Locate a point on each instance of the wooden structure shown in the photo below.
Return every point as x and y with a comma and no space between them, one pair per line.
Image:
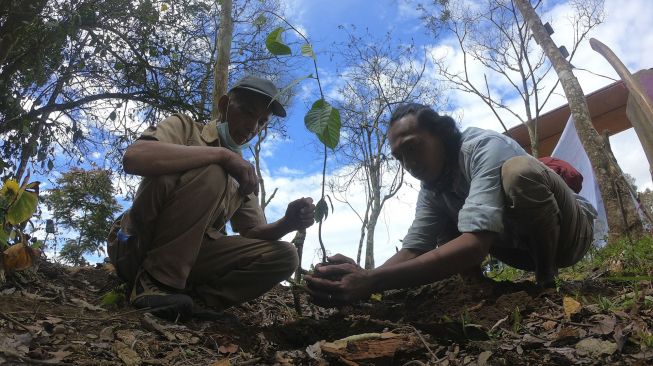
608,110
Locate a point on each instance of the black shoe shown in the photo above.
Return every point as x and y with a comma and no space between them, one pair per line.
163,302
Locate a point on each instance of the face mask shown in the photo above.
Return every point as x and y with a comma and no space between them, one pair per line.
226,140
225,136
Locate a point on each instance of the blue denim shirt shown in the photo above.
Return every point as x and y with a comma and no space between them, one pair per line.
475,200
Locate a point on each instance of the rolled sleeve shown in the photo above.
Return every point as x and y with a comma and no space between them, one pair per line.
483,207
431,227
174,129
248,215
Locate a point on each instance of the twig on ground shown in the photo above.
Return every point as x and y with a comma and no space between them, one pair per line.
253,361
28,360
435,357
15,322
498,323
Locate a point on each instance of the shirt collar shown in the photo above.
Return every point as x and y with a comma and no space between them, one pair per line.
210,133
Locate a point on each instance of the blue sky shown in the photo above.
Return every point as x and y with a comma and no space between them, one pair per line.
293,165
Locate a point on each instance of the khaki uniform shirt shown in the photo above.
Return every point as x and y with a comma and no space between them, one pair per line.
243,212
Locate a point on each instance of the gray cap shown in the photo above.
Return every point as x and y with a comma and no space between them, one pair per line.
265,87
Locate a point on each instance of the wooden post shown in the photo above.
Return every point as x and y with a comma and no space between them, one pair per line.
642,116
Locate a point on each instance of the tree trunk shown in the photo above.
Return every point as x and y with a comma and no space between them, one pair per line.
371,226
531,126
619,206
362,237
221,70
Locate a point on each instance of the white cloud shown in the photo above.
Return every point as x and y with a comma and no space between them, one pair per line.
341,230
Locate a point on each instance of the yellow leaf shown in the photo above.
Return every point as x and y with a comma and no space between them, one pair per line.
10,188
23,208
376,297
18,257
164,7
570,306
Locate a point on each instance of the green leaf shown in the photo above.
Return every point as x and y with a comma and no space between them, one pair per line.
112,297
4,238
321,210
260,20
324,121
164,7
50,164
112,116
275,44
307,51
23,208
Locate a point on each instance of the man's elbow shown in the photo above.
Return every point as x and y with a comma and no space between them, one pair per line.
131,159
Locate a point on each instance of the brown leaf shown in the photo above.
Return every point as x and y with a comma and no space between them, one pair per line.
58,356
126,354
549,325
483,358
619,337
570,306
19,257
565,336
604,324
595,347
230,348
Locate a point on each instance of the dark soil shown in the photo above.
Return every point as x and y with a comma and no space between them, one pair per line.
53,315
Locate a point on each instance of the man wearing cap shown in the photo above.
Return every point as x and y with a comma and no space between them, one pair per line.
195,180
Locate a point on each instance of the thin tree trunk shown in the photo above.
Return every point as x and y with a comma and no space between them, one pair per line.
620,209
221,70
369,248
362,237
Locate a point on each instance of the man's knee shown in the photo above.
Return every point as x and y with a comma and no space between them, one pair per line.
286,256
210,179
519,171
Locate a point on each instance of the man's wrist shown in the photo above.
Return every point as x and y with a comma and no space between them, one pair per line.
374,278
285,224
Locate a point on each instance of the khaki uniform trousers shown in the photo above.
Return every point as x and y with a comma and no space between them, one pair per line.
170,216
546,228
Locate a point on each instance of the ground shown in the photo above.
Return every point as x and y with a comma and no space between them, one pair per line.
54,314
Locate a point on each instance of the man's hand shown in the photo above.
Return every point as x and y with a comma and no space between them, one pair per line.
355,283
242,171
300,214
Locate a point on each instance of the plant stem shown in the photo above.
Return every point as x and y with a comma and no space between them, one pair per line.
319,85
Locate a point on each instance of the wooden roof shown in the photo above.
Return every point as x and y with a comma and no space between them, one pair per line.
608,110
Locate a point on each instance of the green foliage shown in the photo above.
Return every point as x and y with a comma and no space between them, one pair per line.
275,44
83,201
114,297
307,51
324,120
516,320
88,58
17,205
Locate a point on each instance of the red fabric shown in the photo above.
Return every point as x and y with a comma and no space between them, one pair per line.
569,174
